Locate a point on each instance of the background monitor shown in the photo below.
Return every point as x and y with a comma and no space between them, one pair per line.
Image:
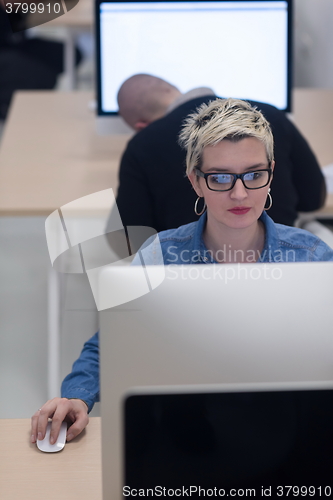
238,48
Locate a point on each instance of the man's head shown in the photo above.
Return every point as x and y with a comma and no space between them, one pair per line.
143,99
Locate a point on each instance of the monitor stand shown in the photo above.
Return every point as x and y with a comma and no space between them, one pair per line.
112,125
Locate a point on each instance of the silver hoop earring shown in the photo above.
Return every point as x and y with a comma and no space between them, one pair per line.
196,207
270,200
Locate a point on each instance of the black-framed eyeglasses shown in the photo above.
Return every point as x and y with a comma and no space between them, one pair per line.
225,182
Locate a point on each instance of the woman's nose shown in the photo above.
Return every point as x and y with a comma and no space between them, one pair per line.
239,190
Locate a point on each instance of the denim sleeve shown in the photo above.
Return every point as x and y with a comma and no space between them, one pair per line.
323,252
83,381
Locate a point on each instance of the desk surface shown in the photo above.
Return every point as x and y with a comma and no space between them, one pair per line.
50,153
28,474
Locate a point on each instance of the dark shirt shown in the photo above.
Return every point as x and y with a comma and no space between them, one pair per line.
154,191
7,38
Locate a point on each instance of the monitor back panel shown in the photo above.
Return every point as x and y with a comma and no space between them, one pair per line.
212,325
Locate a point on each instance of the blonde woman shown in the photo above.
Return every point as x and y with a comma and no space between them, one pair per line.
230,164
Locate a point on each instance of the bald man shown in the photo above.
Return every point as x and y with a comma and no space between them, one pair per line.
142,99
153,190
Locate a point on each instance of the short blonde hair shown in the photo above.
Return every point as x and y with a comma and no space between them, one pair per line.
231,119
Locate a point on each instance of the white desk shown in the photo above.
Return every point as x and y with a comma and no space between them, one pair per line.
28,474
50,153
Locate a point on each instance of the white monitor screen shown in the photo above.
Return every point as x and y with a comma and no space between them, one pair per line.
238,48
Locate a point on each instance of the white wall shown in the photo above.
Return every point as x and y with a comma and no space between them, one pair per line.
313,43
24,264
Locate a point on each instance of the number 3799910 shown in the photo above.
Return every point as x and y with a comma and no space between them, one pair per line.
41,8
303,491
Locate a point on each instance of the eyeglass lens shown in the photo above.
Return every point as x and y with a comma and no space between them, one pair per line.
252,180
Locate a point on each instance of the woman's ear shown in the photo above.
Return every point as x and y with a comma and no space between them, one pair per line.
194,180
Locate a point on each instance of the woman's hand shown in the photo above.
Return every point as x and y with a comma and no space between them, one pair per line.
74,411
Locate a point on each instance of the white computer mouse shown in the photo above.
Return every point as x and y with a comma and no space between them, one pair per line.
45,445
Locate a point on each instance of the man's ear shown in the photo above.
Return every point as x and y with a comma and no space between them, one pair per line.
194,180
140,125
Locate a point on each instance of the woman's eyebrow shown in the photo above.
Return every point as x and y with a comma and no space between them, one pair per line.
226,170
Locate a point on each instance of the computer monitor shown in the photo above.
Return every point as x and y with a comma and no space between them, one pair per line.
238,48
211,325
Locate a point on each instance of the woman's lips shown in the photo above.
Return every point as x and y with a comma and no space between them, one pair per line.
239,210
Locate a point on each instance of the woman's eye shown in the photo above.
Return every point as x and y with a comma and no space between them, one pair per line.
253,176
220,179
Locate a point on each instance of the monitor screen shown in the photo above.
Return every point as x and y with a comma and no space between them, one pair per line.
233,443
237,48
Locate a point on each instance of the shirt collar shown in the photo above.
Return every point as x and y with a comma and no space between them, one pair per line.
198,242
188,96
272,242
270,247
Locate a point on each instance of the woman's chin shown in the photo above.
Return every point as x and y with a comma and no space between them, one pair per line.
240,221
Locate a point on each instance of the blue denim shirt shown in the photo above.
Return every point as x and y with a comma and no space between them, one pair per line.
185,246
